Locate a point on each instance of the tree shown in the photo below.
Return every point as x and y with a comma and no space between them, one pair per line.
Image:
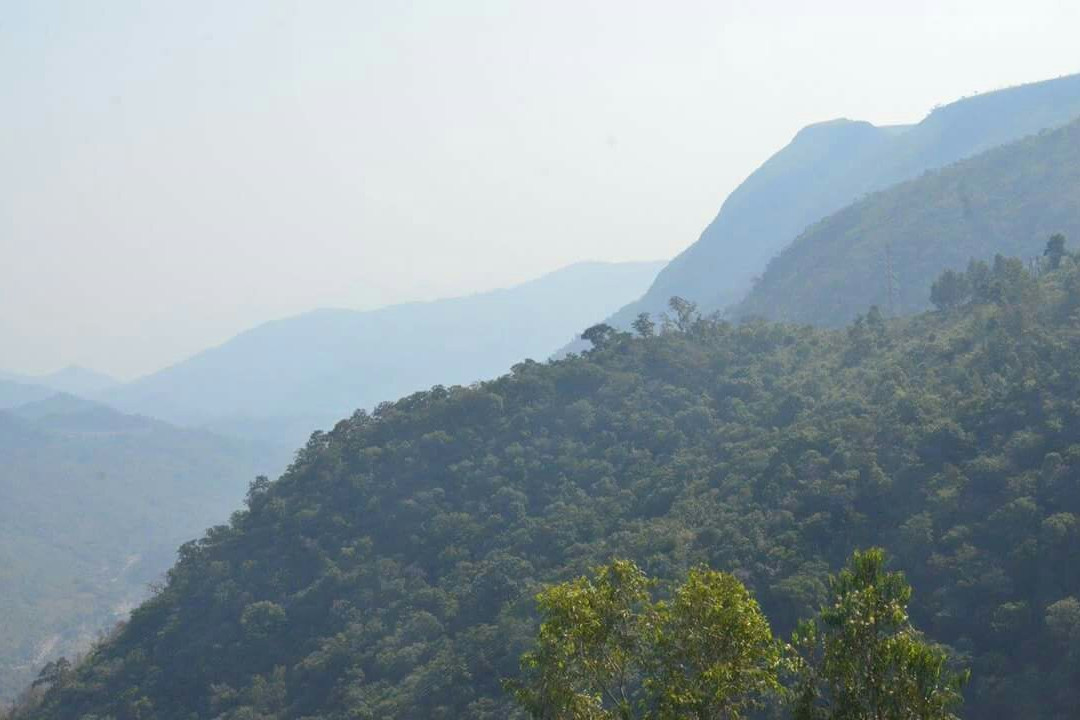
1063,624
715,653
599,335
861,659
1055,250
55,672
950,290
606,650
589,646
643,325
685,314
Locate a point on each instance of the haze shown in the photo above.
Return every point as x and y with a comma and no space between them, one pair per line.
171,174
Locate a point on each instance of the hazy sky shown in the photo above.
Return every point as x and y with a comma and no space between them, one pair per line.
173,172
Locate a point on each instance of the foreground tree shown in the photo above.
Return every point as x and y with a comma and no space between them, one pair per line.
862,659
606,650
715,656
588,656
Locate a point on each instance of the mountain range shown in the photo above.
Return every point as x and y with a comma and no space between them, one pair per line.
392,571
1007,200
281,380
832,164
72,379
94,501
389,572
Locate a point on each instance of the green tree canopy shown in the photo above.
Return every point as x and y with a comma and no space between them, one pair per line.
715,656
950,290
861,659
606,649
599,335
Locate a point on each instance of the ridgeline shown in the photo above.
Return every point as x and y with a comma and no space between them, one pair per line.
390,573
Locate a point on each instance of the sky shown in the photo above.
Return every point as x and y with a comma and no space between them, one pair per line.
173,173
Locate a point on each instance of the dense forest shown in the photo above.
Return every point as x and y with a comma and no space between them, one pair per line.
1006,200
392,570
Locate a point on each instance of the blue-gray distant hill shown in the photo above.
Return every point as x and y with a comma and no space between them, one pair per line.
828,166
72,379
1008,200
14,393
281,380
93,504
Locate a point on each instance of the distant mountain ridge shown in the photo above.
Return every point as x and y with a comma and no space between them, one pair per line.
283,379
13,394
830,165
1007,201
72,379
95,496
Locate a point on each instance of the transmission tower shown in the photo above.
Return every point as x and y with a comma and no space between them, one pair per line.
890,279
1035,266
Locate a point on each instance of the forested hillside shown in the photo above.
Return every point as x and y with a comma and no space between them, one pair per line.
390,572
92,506
829,165
1006,200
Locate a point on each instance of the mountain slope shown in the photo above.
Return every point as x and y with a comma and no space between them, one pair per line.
288,377
92,506
389,573
1008,200
830,165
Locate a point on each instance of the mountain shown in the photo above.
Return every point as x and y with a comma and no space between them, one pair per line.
1008,200
390,573
830,165
64,405
283,379
78,381
73,379
13,394
93,503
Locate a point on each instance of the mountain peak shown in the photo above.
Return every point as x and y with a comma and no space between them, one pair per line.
834,126
831,164
78,380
